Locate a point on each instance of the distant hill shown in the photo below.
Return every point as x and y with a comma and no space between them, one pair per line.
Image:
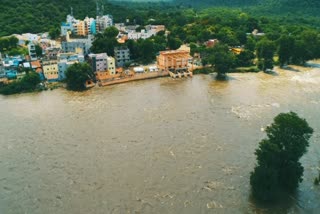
21,16
310,7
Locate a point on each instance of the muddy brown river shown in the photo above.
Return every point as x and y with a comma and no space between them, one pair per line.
155,146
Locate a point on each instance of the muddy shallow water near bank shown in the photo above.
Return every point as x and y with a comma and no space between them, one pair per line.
156,146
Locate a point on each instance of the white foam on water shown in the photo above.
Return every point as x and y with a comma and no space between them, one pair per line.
312,77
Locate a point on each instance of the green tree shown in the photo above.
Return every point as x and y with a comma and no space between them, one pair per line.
27,84
106,42
147,50
245,58
54,33
38,50
111,32
285,50
76,76
278,169
299,53
174,43
221,58
265,51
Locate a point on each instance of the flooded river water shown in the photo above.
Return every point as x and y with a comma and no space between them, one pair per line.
155,146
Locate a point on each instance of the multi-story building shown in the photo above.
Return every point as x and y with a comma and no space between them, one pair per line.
99,62
88,26
111,65
122,56
50,71
102,63
103,22
32,51
81,28
65,61
91,25
63,66
65,27
79,46
174,60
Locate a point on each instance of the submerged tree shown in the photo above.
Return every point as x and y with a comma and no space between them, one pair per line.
265,51
278,169
285,49
221,58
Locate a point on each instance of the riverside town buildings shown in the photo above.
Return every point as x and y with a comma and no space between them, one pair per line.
74,47
122,55
88,26
173,60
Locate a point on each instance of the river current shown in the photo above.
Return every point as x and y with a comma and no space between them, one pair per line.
154,146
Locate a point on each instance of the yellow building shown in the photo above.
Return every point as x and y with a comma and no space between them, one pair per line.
173,60
237,50
51,72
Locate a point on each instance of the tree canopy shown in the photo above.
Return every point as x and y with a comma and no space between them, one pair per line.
27,84
278,168
265,52
77,75
221,58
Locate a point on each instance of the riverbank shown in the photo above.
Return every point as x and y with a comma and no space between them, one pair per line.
208,70
135,77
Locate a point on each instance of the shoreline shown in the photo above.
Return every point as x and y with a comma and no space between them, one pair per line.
136,77
153,75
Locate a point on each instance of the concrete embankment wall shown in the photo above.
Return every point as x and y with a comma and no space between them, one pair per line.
136,77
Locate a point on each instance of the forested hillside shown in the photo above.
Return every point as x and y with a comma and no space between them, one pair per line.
308,7
21,16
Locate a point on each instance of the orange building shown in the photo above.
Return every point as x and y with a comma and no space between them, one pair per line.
173,60
81,28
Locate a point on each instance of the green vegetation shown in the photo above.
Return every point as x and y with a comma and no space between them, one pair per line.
77,75
105,42
278,169
265,52
292,39
28,83
145,50
7,43
220,58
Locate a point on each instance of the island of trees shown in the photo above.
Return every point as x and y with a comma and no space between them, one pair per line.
278,170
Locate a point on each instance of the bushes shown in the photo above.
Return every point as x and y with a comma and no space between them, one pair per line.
27,84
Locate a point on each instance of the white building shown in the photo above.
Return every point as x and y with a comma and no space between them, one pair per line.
104,22
65,61
63,65
99,62
32,51
111,63
79,46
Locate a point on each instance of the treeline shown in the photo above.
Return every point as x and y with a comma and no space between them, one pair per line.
28,83
267,7
292,42
34,16
9,45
